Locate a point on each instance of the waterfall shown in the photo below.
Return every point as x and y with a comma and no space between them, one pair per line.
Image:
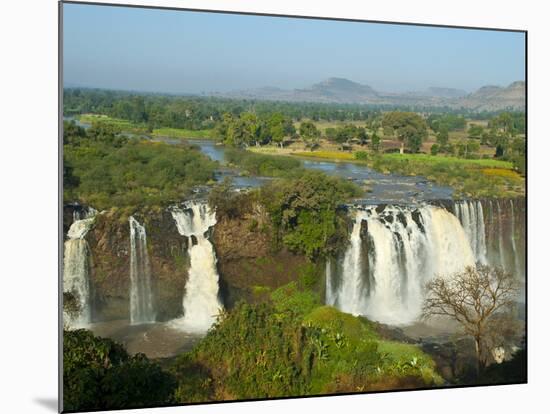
200,301
141,294
500,236
76,271
496,232
470,214
405,247
515,254
83,212
329,290
350,295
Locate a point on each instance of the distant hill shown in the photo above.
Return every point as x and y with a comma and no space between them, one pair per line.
340,90
496,97
439,92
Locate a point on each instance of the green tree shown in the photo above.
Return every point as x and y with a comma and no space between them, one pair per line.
409,127
280,127
475,131
375,142
330,134
305,211
443,135
309,133
98,374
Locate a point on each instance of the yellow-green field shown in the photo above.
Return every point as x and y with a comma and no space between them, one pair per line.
183,133
128,126
484,177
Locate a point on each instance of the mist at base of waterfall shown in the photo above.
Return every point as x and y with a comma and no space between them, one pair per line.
156,340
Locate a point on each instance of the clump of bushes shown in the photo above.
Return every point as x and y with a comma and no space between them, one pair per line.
361,155
262,164
294,346
106,169
98,374
305,212
469,178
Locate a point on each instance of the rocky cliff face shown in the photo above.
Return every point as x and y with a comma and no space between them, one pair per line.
248,266
110,246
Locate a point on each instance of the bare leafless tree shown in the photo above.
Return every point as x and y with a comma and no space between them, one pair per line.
477,298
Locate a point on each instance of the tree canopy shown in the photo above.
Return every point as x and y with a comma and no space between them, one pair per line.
409,127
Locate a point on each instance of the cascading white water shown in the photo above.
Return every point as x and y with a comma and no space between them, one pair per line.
515,255
470,214
350,297
329,290
141,295
76,272
500,236
406,248
201,304
495,232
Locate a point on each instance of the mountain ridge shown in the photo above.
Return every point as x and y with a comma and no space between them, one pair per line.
342,90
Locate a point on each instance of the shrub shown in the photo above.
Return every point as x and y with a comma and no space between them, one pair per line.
106,169
361,155
304,211
98,374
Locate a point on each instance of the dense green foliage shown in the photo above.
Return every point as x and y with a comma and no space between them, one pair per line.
194,112
344,133
293,346
305,211
98,374
250,129
449,122
103,168
471,178
264,165
409,127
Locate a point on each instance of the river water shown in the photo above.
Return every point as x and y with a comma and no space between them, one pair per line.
384,188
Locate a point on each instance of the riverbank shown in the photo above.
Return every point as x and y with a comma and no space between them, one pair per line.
477,178
126,126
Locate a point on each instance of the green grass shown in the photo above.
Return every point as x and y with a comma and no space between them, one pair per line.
479,178
330,155
437,159
128,126
184,133
123,124
484,177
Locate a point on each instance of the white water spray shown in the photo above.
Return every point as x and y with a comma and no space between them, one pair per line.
141,294
200,302
76,272
406,248
470,214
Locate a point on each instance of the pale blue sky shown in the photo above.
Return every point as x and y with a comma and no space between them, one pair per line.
194,52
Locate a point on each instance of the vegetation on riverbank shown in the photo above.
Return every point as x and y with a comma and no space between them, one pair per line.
98,374
468,177
293,346
104,169
251,163
304,206
182,133
305,211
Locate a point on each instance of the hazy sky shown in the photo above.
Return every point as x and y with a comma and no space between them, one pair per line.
180,51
